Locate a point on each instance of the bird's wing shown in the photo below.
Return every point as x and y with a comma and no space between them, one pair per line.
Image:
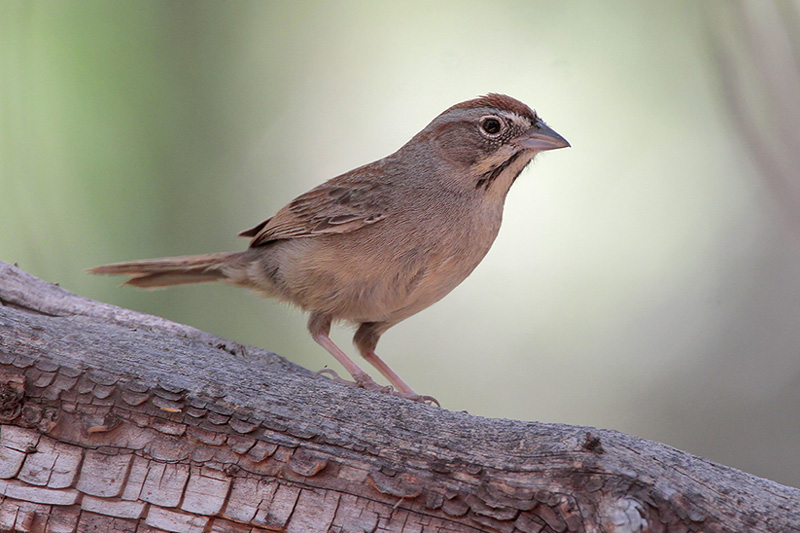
340,205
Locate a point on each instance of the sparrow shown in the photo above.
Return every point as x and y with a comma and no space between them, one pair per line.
382,242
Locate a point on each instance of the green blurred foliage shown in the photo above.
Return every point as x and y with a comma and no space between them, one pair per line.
622,289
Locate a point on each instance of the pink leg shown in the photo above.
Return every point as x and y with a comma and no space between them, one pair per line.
359,375
404,390
319,326
387,372
366,339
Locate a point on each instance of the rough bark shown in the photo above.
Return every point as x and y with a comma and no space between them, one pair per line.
118,421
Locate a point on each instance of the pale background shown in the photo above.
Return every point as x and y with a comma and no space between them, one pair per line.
645,280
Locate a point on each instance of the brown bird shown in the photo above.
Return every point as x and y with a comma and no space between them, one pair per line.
384,241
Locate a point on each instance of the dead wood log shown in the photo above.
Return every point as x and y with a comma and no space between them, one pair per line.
117,421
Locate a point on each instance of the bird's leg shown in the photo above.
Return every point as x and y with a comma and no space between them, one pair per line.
404,390
319,326
366,339
398,382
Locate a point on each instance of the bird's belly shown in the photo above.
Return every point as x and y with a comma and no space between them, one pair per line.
366,281
397,287
387,295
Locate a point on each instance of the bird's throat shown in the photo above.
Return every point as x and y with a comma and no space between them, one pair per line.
504,173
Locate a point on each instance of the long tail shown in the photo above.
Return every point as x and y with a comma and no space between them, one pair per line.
155,273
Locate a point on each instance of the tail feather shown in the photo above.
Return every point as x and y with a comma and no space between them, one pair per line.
156,273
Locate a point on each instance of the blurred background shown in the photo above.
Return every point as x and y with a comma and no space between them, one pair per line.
645,280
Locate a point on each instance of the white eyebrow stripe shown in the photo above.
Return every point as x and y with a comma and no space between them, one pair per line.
523,122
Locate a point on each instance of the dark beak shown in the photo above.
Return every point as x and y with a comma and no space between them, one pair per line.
541,137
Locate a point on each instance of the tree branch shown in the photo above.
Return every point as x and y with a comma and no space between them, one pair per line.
120,421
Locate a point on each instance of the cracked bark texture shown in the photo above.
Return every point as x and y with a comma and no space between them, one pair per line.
111,420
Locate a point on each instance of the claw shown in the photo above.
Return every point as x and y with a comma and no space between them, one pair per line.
362,381
366,382
333,376
430,400
414,397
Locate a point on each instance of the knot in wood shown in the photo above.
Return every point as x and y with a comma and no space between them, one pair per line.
403,485
623,515
592,443
306,464
12,394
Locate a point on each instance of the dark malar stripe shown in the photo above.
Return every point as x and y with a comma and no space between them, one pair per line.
488,178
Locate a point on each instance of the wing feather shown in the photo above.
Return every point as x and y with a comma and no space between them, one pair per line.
341,205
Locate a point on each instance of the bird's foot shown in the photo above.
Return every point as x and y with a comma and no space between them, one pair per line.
363,381
414,397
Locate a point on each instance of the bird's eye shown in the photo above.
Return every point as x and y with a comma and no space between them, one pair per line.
491,125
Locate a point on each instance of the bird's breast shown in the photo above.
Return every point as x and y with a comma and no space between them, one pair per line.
381,273
432,262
